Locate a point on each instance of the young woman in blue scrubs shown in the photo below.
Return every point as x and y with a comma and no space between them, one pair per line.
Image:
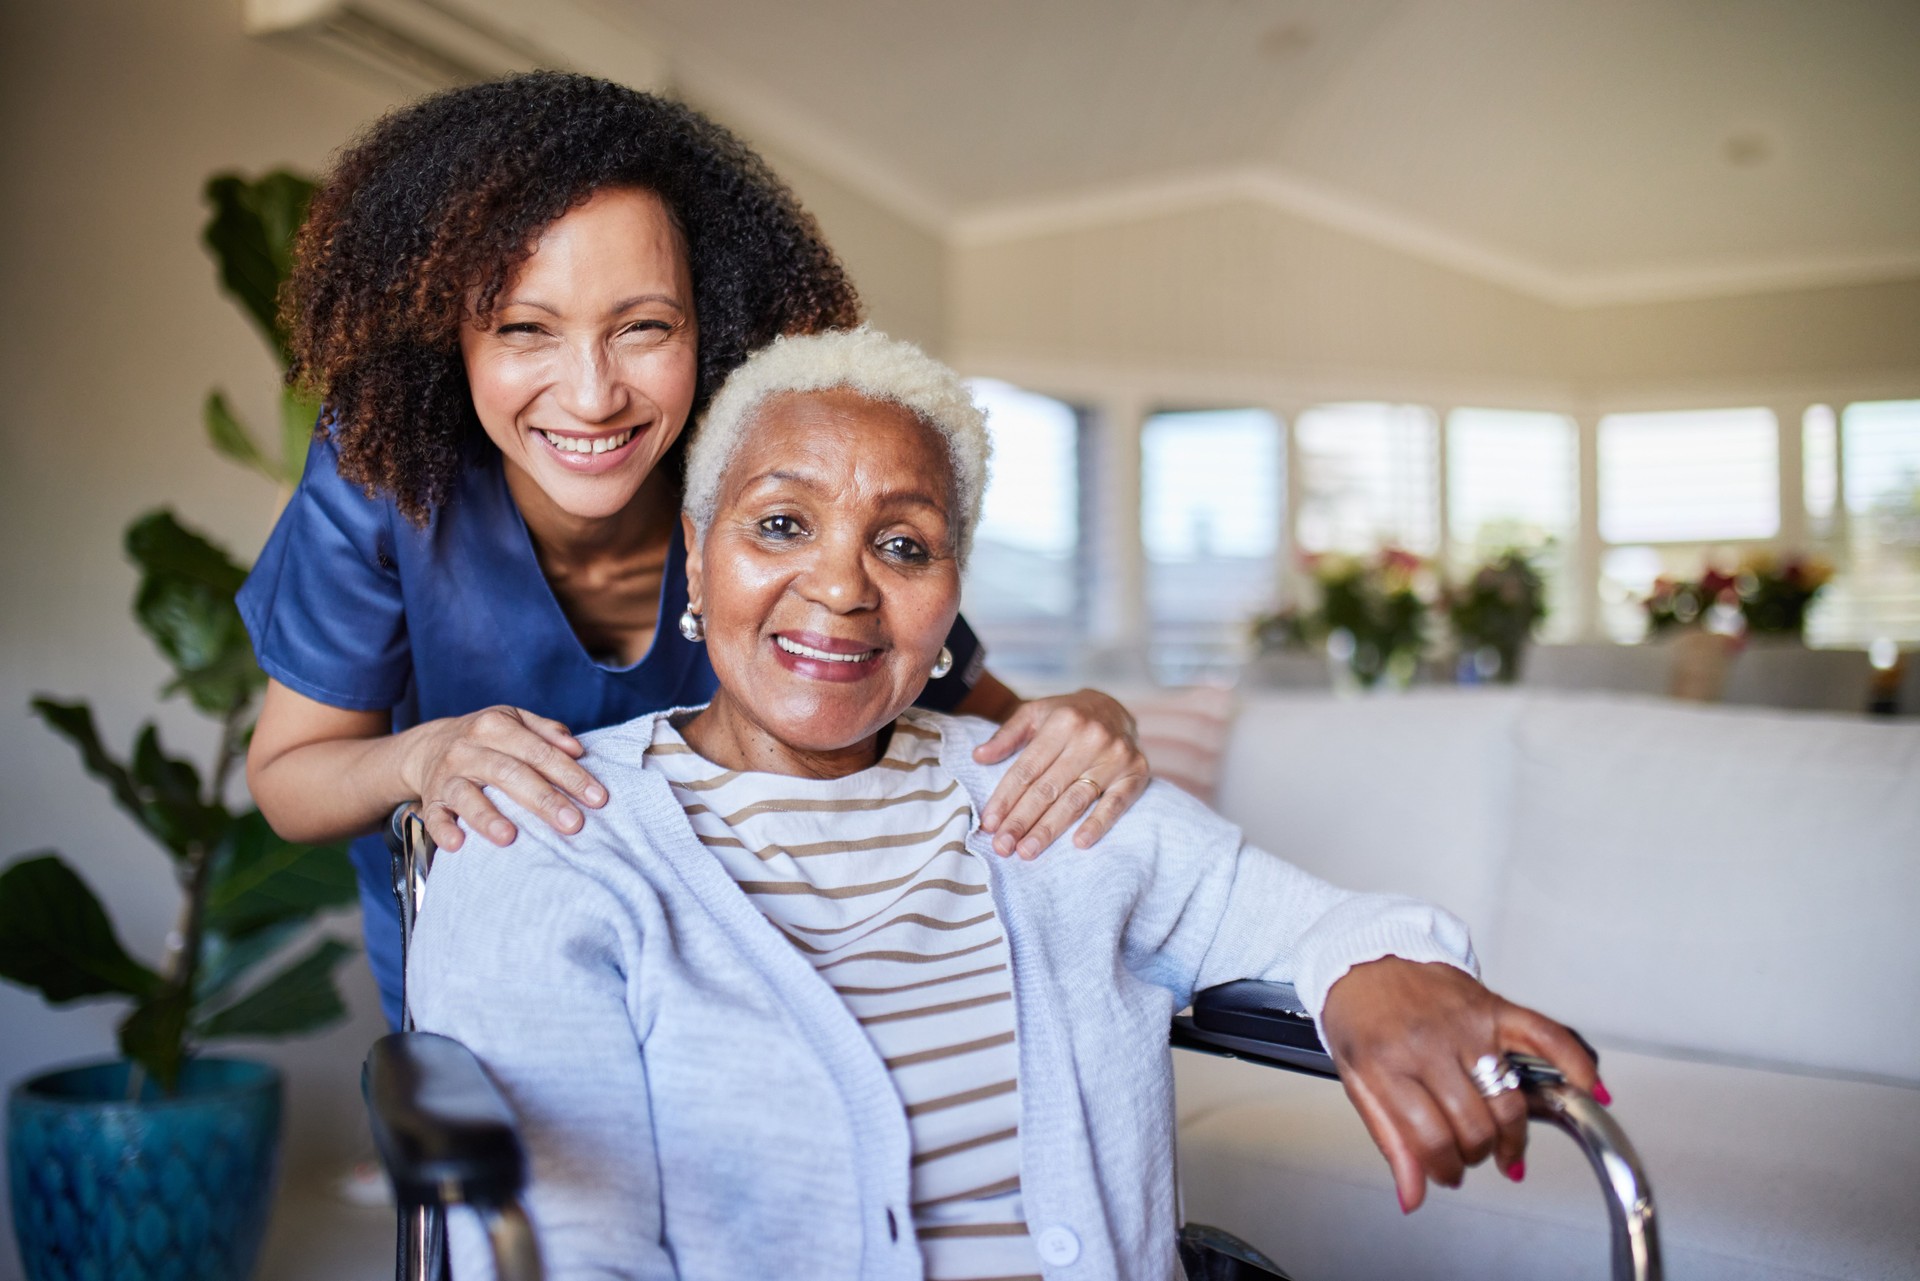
513,298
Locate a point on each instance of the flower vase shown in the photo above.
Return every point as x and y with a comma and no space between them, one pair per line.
1698,665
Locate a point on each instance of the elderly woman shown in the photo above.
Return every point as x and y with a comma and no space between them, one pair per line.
511,297
773,1012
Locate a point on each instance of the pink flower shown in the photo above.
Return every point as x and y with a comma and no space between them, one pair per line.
1714,585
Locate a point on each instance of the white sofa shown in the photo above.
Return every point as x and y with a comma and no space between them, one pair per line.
1726,901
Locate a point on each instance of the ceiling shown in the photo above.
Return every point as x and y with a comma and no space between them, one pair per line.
1582,150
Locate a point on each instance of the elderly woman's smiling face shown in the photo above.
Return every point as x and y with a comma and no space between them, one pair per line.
827,579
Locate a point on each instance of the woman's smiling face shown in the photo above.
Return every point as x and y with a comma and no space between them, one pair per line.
584,375
827,578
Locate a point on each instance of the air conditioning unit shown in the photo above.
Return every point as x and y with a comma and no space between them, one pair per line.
413,44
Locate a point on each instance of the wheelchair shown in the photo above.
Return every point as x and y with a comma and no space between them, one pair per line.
446,1137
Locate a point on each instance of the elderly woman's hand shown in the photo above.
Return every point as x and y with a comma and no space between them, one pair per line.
1405,1035
1078,753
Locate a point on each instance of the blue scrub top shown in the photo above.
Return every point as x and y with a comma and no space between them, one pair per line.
355,607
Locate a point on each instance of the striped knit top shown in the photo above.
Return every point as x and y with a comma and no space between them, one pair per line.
870,878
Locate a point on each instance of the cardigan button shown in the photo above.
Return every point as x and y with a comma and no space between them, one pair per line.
1058,1246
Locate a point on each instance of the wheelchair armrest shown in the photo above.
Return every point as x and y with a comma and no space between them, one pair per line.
1264,1022
443,1132
1253,1019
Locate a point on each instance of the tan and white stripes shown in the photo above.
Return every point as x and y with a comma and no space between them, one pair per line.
869,877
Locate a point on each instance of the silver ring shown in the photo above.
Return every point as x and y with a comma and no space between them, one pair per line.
1493,1076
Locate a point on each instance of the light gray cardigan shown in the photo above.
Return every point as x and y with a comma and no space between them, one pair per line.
698,1103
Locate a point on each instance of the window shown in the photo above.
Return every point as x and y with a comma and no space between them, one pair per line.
1697,477
1677,490
1368,478
1513,483
1211,511
1024,585
1876,593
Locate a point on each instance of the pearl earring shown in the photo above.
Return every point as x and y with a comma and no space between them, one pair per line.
943,664
691,626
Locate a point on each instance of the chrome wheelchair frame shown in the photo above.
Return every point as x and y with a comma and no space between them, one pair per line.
447,1137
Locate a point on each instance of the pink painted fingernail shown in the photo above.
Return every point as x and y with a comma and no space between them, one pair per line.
1601,1094
1517,1171
1402,1197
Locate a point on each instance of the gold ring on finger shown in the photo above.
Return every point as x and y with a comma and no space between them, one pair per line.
1493,1076
1098,790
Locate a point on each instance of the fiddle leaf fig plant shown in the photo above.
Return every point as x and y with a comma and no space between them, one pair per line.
247,895
251,236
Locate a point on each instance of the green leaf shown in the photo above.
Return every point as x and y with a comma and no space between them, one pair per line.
298,416
154,1035
74,722
230,681
225,959
231,438
162,793
170,795
251,235
258,879
55,936
300,998
166,780
186,604
161,545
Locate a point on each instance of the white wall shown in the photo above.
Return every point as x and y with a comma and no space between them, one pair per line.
900,267
1243,292
1244,288
1837,343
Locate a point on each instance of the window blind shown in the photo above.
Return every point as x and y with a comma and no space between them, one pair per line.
1369,477
1689,477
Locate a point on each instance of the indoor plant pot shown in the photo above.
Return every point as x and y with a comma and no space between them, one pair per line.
155,1188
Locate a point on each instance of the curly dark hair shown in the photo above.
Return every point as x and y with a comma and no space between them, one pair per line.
427,216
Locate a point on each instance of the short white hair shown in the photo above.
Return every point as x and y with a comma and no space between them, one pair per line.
862,360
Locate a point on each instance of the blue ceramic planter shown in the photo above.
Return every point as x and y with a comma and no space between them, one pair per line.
163,1189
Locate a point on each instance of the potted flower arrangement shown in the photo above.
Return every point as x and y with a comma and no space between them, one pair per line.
1676,603
1493,613
161,1164
1370,616
1775,592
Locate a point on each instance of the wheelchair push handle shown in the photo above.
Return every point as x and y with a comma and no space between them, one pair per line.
1266,1023
1636,1238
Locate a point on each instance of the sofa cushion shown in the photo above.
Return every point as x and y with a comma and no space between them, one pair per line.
1756,1175
1183,734
1730,881
1394,793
